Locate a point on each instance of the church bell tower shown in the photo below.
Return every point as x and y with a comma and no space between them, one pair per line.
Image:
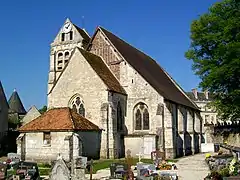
69,37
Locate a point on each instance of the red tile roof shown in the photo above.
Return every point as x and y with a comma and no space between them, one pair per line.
59,119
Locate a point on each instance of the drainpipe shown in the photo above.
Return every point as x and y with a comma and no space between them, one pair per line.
163,132
108,131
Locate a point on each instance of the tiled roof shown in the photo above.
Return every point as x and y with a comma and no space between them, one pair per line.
15,104
103,71
84,35
59,119
150,70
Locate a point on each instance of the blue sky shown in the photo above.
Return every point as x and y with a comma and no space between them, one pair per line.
160,28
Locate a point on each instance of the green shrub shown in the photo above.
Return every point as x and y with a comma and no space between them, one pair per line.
44,171
224,172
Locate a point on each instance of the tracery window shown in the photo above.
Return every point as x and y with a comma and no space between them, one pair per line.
78,106
141,117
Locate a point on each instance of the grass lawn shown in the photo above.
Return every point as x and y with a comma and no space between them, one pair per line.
105,163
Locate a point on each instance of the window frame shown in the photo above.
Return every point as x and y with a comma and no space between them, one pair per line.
47,138
135,110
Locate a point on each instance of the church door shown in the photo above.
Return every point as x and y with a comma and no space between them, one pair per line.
149,146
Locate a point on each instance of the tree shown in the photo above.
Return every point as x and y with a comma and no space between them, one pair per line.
215,52
43,109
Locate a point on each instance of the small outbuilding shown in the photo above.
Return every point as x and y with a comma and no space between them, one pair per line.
59,131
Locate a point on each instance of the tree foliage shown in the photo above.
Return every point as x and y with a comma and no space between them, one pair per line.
43,109
215,52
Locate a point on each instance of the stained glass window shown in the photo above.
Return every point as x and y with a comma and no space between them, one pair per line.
78,106
141,117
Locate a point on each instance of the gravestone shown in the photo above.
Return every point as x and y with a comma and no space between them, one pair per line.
60,170
14,157
80,164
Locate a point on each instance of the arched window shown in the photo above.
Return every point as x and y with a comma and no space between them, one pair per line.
60,61
66,55
141,117
60,56
77,105
120,122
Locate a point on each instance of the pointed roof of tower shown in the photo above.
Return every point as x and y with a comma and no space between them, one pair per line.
3,98
15,104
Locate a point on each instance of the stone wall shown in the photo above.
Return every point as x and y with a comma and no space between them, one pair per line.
80,78
37,151
102,47
139,90
67,144
59,46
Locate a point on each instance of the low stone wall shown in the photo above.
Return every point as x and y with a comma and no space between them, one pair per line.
224,133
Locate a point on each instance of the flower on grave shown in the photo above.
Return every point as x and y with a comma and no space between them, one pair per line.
208,155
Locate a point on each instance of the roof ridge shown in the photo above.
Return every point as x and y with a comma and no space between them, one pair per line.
150,70
115,78
129,45
106,66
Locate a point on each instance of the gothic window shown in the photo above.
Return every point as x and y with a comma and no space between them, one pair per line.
141,116
82,110
120,122
77,105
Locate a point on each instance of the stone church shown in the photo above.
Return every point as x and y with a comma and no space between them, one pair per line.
125,92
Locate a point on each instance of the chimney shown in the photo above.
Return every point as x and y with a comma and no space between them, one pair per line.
206,94
194,91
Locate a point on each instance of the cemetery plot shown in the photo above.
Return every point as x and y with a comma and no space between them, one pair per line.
224,165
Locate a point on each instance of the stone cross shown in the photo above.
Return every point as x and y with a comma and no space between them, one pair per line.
140,155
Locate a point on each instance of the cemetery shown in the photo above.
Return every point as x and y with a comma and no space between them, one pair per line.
79,168
225,164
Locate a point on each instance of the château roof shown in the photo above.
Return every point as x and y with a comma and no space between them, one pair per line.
59,119
15,104
150,70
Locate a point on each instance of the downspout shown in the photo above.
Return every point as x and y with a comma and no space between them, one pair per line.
108,131
163,132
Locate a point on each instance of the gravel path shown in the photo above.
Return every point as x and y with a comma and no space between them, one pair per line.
192,167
